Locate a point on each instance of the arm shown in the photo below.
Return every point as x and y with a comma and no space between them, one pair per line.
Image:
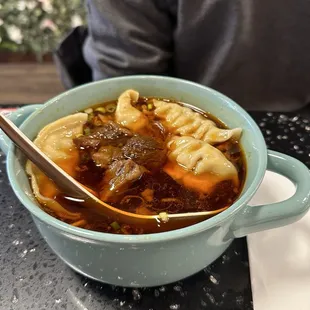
128,37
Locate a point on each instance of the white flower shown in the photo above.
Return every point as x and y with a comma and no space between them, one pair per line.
47,5
21,5
14,34
47,23
31,5
76,21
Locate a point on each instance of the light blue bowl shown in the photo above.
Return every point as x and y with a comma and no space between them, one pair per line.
157,259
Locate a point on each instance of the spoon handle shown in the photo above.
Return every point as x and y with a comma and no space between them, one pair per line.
43,162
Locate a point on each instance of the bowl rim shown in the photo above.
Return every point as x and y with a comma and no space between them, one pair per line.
144,238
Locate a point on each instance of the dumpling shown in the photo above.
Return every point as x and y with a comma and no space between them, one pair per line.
127,115
200,157
56,141
183,121
198,165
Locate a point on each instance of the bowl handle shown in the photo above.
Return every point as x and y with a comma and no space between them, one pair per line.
256,218
17,117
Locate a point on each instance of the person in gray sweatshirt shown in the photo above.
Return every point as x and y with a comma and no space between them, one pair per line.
255,51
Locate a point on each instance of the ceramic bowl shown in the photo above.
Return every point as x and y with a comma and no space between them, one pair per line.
157,259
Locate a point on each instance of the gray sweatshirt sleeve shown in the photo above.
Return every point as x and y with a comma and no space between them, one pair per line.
128,37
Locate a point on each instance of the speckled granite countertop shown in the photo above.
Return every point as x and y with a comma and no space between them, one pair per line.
33,277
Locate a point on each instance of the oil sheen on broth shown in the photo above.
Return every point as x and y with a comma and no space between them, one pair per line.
160,166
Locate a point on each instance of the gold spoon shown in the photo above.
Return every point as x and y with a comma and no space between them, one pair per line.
78,193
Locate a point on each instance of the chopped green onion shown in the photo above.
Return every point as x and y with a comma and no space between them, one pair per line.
149,106
164,217
88,111
111,107
115,226
124,231
87,131
90,117
85,158
101,110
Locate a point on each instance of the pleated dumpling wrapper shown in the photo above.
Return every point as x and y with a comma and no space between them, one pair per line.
185,122
127,115
198,165
56,141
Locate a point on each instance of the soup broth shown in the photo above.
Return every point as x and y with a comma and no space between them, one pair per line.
131,168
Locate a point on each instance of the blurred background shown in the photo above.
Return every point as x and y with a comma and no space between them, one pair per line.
30,30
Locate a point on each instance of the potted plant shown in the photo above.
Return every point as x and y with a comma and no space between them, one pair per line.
31,29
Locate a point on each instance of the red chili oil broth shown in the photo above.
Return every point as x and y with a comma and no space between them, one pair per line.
168,195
